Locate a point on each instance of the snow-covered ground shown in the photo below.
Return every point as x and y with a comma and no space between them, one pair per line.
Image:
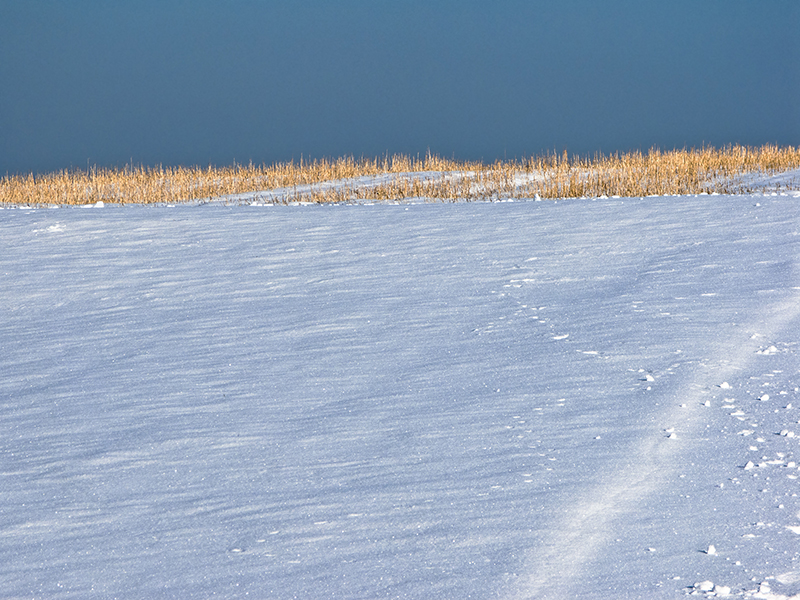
577,399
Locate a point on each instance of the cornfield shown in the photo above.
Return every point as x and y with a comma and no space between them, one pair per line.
706,170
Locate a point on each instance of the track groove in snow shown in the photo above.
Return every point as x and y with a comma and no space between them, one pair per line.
558,568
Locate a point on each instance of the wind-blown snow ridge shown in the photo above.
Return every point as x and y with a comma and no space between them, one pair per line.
769,183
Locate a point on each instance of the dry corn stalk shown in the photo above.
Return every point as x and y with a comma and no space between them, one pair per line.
724,170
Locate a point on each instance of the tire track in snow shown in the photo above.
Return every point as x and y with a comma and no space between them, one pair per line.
556,569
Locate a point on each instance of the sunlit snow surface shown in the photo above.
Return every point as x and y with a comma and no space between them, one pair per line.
512,400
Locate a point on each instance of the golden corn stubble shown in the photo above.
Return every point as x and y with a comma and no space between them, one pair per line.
657,172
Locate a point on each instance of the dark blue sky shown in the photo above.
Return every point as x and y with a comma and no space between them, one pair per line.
209,82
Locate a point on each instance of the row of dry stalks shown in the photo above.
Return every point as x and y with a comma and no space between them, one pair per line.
725,170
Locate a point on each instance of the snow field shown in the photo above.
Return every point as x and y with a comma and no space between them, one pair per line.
588,398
